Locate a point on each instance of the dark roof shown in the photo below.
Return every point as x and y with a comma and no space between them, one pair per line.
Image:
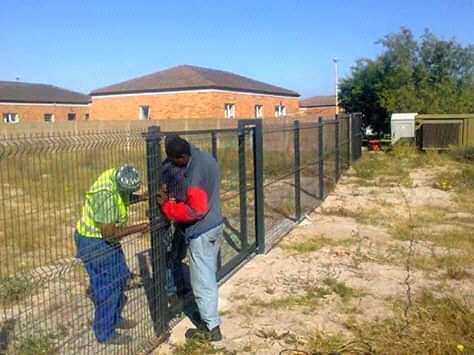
316,101
187,77
16,91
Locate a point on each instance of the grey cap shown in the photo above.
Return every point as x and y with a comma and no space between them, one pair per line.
128,178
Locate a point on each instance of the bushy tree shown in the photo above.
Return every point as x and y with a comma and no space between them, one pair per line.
433,76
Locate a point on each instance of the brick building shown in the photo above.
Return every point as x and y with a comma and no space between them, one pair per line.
31,102
191,92
321,105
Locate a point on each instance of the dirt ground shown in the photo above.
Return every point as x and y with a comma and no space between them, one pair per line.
357,260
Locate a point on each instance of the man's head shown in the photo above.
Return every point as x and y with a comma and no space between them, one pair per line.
177,150
128,179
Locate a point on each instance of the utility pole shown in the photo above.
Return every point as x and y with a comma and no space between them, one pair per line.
335,60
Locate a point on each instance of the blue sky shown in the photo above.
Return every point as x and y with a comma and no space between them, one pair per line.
83,45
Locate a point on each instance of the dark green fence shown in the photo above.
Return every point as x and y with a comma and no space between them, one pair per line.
271,176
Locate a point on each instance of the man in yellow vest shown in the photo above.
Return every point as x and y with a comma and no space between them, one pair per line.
97,236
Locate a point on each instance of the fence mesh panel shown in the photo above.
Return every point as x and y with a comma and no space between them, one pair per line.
45,289
46,302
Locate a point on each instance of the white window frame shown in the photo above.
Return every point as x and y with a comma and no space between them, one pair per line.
141,113
72,113
52,117
229,111
280,110
11,117
258,111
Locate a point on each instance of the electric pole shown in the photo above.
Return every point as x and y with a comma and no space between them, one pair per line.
335,60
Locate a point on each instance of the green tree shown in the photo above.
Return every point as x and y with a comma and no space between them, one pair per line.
433,76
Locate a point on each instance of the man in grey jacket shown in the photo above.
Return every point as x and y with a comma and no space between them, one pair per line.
200,217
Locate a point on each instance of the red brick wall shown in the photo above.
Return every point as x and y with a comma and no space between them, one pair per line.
187,105
35,113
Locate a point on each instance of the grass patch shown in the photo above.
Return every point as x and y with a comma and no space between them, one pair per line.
393,167
313,244
462,153
14,289
310,297
434,326
455,238
395,163
461,180
200,347
452,265
456,254
39,344
363,216
339,288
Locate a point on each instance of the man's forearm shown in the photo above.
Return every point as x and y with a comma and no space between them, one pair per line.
121,232
138,198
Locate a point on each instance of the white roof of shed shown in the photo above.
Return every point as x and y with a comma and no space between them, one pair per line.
403,116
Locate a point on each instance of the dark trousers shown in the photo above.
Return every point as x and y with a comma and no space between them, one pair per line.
175,281
108,275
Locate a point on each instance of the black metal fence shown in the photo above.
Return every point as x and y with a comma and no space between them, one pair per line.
271,176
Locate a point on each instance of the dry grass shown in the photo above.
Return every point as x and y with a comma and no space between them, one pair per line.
433,326
15,289
200,347
440,324
314,243
306,294
362,216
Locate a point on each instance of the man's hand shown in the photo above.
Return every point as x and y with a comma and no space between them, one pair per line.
163,195
146,228
139,197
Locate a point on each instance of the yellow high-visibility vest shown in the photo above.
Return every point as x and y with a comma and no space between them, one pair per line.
87,226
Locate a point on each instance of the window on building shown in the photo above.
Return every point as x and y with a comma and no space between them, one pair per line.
48,117
71,116
280,110
229,111
144,113
86,116
10,117
258,111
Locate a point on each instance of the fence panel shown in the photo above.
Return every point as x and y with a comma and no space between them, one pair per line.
309,152
279,182
45,294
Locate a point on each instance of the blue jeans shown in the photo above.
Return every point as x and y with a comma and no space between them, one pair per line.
108,275
175,281
203,252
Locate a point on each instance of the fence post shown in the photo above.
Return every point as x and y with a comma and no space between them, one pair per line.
349,139
242,187
338,150
214,144
159,301
259,195
297,168
321,158
349,133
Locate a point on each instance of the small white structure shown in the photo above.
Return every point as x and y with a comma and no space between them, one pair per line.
402,126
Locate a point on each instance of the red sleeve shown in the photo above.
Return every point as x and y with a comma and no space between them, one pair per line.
194,208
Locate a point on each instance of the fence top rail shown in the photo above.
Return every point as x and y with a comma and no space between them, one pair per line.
330,122
202,131
67,134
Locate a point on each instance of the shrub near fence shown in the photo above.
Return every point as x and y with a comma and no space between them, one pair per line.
271,176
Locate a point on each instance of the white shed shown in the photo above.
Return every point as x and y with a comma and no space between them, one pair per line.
402,126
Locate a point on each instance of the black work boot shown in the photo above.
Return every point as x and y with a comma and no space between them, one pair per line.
203,333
